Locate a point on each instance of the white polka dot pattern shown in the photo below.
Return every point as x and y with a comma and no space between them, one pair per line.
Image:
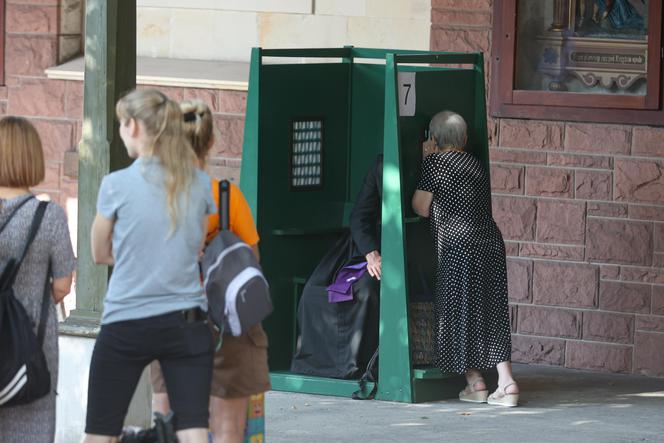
472,318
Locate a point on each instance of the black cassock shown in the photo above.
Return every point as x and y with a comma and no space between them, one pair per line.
338,339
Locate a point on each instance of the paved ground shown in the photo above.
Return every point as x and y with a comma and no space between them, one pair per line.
558,405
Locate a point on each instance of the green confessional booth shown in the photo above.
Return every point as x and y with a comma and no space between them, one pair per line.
312,131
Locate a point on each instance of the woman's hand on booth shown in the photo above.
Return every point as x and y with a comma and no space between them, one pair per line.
374,264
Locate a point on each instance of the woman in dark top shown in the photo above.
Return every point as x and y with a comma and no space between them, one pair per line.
473,329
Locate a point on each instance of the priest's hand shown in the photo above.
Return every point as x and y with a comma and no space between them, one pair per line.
374,264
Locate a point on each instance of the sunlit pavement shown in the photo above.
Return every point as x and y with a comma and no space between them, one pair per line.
557,405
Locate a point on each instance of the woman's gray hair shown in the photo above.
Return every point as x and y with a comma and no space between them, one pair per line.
449,129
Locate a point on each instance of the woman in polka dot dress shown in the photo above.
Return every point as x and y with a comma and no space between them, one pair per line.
473,329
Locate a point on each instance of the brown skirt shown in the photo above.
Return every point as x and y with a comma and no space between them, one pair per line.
240,367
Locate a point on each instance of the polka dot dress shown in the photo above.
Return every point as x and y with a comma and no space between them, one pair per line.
472,318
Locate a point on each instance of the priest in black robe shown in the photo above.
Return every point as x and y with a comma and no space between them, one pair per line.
338,339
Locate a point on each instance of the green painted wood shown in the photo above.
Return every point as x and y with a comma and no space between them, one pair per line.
249,166
297,227
394,373
431,374
110,71
309,53
285,381
440,57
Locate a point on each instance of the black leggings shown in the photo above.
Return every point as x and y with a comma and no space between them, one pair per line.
182,346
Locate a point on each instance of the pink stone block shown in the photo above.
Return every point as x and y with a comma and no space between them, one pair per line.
511,249
579,161
462,4
648,141
38,97
514,315
609,272
233,102
550,322
31,19
507,179
658,259
51,182
56,137
608,327
519,278
531,134
565,284
657,306
619,241
640,274
74,97
228,136
644,212
650,323
593,185
639,181
538,350
522,156
549,182
624,297
598,356
553,252
649,358
602,139
561,221
30,55
515,217
659,236
461,17
600,209
463,40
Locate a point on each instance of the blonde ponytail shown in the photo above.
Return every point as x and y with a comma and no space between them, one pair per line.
198,127
163,124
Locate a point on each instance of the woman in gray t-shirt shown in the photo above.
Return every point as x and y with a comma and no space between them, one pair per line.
150,225
22,166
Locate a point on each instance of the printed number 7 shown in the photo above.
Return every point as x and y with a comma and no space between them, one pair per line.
407,86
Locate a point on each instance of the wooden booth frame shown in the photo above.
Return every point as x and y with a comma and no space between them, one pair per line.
507,101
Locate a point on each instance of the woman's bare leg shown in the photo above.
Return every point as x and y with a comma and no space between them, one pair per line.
228,417
506,378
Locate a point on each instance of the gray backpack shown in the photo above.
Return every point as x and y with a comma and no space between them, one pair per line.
238,294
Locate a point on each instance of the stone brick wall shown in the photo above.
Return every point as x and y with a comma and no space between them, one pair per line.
581,208
39,36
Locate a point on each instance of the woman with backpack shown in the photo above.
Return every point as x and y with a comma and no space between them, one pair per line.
151,223
22,167
240,365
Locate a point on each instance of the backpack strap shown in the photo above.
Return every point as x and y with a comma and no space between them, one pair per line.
34,228
43,317
19,206
367,377
224,205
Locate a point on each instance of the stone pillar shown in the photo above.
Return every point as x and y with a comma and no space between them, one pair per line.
110,71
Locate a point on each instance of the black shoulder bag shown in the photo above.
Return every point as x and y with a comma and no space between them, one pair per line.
24,374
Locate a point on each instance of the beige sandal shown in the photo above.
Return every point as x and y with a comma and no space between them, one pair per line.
502,398
474,396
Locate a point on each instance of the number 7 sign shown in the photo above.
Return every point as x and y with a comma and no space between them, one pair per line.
406,93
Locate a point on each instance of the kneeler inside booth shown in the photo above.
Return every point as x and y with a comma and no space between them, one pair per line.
312,131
